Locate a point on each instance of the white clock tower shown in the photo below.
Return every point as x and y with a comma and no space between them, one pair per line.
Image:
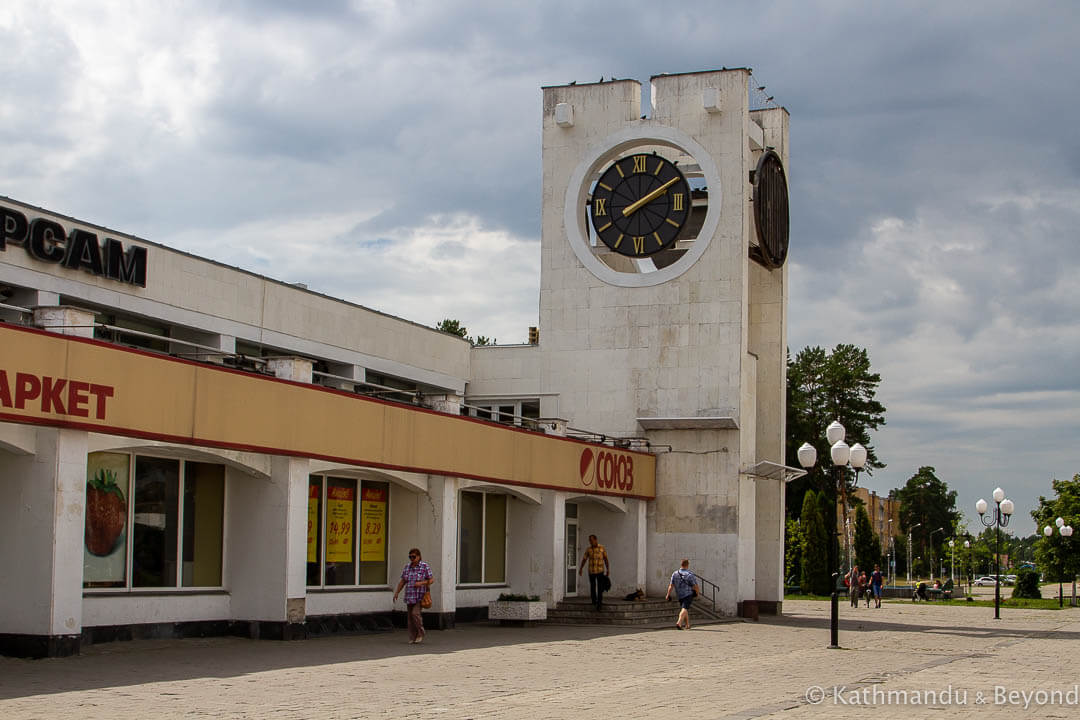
678,341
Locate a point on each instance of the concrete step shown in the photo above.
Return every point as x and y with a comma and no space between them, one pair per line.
646,612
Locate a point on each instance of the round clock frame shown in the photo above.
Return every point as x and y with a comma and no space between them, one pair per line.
771,210
601,155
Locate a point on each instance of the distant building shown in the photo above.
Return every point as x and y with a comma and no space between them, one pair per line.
881,510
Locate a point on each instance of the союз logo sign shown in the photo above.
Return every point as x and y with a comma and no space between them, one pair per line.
607,470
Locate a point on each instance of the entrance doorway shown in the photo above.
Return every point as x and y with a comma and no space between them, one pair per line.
571,550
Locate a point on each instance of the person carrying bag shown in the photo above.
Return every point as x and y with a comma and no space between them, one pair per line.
416,579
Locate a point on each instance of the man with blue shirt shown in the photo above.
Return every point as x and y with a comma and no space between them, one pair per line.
685,585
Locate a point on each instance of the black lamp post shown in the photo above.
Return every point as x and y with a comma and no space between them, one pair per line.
841,454
932,556
971,564
1003,510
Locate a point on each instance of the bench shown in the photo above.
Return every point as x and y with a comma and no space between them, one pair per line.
942,593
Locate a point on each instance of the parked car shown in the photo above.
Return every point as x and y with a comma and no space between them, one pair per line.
985,580
1009,580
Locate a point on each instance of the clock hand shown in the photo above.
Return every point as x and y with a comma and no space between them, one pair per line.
631,209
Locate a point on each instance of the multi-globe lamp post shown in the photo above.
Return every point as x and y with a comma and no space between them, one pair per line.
842,455
1064,531
952,559
1003,510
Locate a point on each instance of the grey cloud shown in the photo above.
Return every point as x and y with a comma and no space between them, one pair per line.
951,121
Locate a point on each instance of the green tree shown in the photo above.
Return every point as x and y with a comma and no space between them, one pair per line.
1027,584
827,509
822,387
867,545
793,548
815,569
1057,556
926,501
454,327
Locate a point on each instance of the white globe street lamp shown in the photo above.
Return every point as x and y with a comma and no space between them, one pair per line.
1064,531
1003,510
842,455
952,560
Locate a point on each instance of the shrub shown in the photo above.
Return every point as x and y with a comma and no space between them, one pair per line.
1027,584
521,598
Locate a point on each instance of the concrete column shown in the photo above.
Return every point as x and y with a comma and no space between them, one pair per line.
268,550
41,545
639,511
65,320
437,531
770,545
537,543
297,369
558,547
449,403
747,544
553,426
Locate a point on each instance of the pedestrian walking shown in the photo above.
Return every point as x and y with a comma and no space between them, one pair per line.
876,581
416,579
852,582
685,585
596,559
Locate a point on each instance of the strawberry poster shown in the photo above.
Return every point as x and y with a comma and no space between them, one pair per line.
373,522
105,537
340,514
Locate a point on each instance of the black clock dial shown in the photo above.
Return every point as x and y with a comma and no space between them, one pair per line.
640,204
771,210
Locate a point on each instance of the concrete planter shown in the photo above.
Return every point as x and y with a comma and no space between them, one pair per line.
523,610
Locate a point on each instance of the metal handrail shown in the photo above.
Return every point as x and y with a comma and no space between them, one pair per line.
713,588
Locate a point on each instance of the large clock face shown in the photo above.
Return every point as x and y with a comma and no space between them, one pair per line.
640,204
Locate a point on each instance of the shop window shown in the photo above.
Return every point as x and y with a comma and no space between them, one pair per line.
157,521
482,538
347,530
204,505
154,522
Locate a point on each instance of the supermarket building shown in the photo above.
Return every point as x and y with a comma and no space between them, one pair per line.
188,448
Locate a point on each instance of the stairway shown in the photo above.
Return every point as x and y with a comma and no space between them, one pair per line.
645,613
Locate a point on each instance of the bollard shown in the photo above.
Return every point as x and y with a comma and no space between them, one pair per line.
834,609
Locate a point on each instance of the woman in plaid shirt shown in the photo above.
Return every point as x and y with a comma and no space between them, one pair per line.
416,578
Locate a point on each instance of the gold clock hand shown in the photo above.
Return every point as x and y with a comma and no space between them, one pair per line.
631,209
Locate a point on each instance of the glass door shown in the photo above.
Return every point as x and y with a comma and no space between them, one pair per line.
571,550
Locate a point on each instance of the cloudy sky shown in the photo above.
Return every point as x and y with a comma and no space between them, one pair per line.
389,153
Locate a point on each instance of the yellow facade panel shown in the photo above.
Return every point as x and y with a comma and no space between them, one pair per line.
57,380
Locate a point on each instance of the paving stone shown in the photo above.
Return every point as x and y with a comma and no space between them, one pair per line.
729,670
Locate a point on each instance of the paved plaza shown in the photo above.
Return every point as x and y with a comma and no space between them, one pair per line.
908,660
